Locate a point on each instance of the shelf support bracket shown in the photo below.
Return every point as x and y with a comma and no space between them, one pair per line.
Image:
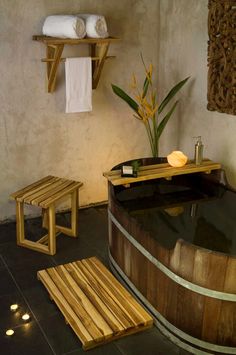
53,52
98,50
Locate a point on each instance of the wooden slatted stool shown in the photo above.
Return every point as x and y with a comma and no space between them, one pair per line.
45,193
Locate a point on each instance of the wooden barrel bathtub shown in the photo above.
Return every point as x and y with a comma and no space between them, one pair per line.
187,283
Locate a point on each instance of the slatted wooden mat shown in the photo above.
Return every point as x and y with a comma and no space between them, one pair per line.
97,307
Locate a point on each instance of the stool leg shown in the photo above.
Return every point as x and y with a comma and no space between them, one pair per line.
20,226
74,212
51,230
45,218
20,232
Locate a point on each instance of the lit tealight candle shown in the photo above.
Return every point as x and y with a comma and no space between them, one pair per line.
14,307
10,332
26,317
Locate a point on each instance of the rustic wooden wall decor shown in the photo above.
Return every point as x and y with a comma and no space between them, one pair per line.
222,56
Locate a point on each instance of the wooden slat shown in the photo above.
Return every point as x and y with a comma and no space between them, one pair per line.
65,307
136,311
60,194
212,309
227,324
47,193
107,298
83,283
54,66
76,303
40,191
35,246
160,171
101,50
108,288
93,302
92,312
71,41
19,193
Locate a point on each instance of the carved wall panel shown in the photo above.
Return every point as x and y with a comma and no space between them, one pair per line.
222,56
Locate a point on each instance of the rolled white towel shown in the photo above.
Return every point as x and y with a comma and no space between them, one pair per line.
64,26
96,26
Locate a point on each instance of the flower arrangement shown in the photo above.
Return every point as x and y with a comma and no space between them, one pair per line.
146,107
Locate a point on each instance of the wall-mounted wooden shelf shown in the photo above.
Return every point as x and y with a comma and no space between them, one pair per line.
157,171
54,48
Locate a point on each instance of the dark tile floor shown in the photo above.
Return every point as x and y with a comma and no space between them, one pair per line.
47,332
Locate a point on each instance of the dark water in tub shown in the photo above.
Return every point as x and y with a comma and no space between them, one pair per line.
201,213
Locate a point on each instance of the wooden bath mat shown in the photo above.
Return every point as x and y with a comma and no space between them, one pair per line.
96,306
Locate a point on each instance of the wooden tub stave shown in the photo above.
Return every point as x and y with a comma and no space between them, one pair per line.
205,320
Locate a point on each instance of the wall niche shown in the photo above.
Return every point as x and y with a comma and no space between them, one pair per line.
221,92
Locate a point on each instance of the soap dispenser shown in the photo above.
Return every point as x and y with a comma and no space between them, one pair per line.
198,151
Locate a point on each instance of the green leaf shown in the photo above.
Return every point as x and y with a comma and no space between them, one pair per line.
141,55
171,94
163,123
119,92
145,86
146,81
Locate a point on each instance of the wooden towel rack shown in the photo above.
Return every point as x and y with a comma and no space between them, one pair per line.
54,48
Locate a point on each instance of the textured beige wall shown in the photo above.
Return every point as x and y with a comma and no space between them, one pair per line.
183,52
36,137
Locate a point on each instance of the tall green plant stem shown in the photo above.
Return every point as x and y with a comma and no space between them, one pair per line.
155,138
152,139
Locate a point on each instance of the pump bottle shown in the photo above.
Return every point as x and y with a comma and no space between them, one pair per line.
198,151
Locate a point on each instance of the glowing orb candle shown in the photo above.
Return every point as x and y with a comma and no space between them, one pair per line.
10,332
26,317
14,307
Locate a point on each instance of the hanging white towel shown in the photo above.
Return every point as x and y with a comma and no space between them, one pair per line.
78,84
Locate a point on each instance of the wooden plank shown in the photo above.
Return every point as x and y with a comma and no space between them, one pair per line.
76,302
212,309
173,288
187,299
20,192
74,212
94,59
34,246
78,288
227,323
109,300
123,298
51,230
230,277
88,306
35,194
49,192
158,282
20,226
44,189
60,194
71,41
54,66
65,307
160,171
101,49
119,288
83,283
